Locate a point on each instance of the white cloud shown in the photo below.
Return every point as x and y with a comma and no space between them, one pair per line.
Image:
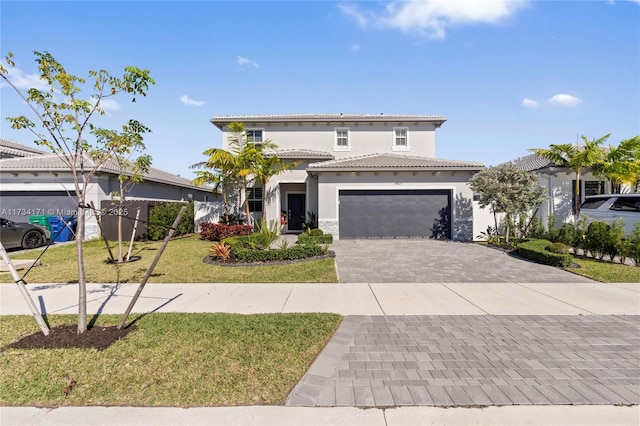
529,103
432,18
23,80
188,101
109,105
246,61
355,47
362,18
563,99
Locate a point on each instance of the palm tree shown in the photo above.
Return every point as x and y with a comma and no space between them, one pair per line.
220,182
266,168
240,161
621,164
576,158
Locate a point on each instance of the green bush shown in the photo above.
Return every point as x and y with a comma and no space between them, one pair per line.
301,251
161,218
559,248
536,250
305,238
317,232
597,239
633,247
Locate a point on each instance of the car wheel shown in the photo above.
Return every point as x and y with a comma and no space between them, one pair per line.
32,239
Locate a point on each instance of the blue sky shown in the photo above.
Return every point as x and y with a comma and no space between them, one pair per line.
508,75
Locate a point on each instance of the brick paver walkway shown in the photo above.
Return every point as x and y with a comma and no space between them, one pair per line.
379,361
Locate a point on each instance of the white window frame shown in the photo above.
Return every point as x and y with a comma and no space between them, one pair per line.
337,147
253,129
395,146
252,191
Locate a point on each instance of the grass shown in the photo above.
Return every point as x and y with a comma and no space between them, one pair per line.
606,272
179,360
180,263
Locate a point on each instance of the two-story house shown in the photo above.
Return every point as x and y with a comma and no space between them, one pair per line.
363,176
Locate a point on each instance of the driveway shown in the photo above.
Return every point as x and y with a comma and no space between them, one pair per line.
433,261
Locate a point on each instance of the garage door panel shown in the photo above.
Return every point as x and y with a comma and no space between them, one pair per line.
19,205
395,213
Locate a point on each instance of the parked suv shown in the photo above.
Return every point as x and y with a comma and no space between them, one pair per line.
611,207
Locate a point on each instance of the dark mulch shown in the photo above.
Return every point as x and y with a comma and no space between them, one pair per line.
234,262
66,336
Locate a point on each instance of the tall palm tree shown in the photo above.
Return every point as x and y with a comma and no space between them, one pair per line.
220,182
266,168
621,164
575,157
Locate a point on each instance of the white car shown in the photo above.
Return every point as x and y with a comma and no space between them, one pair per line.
611,207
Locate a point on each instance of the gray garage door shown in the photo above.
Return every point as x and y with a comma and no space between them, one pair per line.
19,205
395,214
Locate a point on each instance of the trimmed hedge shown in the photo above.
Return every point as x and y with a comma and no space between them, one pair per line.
290,253
162,216
220,231
536,250
305,238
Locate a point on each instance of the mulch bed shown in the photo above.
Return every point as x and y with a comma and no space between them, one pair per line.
66,336
232,262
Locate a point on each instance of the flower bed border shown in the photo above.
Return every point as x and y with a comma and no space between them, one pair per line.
328,255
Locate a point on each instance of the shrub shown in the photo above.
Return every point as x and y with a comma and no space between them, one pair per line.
316,232
557,248
633,248
161,218
536,250
597,239
310,222
305,238
267,235
289,253
220,231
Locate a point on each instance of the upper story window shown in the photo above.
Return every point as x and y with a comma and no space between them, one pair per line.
255,135
342,142
400,139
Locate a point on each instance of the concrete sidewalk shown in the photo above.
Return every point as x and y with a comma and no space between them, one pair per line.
345,299
299,416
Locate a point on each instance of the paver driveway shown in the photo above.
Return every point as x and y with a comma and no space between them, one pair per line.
429,261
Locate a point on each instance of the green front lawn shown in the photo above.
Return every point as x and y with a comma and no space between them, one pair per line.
180,263
606,272
177,360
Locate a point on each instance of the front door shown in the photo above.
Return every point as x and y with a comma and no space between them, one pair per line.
295,212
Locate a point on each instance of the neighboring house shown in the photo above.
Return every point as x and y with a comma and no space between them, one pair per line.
41,184
561,185
363,176
10,149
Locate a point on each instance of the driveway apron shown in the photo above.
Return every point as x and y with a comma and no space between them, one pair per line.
434,261
383,361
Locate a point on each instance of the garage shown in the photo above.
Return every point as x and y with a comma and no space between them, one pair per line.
19,205
424,213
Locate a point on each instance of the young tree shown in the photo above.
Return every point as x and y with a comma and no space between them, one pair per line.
576,158
122,147
63,122
507,190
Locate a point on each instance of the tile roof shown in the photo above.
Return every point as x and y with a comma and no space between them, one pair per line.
220,120
16,149
394,162
300,153
51,162
532,163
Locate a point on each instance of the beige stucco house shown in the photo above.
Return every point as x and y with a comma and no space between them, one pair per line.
363,176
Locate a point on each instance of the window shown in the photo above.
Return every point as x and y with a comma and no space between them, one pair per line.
254,196
627,204
342,139
593,187
400,138
254,135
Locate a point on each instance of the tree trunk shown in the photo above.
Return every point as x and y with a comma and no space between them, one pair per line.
120,210
82,279
264,201
577,196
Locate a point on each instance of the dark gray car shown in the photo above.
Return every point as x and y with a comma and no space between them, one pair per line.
21,235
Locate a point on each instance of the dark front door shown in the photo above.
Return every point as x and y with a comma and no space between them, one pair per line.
295,212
